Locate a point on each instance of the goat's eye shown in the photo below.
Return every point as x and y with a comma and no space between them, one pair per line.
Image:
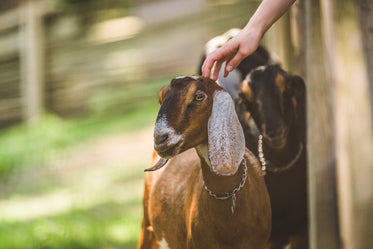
199,97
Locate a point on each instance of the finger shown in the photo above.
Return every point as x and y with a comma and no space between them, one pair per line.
206,67
215,74
233,63
226,72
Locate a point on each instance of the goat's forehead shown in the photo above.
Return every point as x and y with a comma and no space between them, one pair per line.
181,80
187,83
186,86
183,87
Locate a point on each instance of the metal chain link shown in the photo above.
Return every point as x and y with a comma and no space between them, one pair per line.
234,192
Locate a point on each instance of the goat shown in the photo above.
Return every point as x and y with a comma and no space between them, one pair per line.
271,107
208,191
232,83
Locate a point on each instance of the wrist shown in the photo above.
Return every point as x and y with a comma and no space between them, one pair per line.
255,29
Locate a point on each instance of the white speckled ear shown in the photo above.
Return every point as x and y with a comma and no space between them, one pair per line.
226,142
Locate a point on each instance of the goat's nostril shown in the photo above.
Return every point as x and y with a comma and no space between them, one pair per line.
159,139
272,133
275,132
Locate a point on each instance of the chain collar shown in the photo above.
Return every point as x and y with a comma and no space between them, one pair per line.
265,166
234,192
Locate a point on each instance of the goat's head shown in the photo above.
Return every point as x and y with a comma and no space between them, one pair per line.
197,112
275,100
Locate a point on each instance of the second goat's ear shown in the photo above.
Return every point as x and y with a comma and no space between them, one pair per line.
226,142
162,93
246,90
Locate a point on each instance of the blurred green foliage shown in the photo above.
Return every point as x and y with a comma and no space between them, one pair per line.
30,145
108,222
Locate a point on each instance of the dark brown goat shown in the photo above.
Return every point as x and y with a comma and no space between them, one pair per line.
211,192
271,108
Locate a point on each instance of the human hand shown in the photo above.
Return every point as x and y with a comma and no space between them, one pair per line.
232,52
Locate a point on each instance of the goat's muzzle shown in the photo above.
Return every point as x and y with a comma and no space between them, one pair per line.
276,139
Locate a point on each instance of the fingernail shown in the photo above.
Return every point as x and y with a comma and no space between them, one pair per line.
229,68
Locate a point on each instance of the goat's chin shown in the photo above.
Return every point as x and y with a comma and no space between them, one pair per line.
276,143
168,151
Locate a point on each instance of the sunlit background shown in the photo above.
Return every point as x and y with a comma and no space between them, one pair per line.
72,155
79,81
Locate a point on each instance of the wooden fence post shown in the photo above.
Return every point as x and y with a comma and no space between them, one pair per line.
321,135
313,59
32,59
366,23
354,121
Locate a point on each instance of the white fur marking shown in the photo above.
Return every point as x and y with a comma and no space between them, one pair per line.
193,77
163,244
220,40
162,127
261,68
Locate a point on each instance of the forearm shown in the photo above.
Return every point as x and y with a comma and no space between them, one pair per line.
268,12
247,41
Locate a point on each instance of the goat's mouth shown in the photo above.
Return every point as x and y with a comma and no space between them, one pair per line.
276,142
167,151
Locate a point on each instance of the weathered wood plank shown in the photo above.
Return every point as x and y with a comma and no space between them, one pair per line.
9,45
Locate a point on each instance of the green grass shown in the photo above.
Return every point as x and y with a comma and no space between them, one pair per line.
103,202
30,145
107,216
111,225
95,215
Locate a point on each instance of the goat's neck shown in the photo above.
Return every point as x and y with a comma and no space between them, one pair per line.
216,183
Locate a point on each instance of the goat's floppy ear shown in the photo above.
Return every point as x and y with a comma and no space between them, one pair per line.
162,93
298,100
246,90
226,142
298,93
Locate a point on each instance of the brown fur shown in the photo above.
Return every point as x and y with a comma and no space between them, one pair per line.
176,205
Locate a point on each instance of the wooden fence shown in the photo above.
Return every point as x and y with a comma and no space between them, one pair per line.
62,62
330,43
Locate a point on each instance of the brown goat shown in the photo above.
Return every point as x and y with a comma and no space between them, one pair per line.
211,192
272,109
